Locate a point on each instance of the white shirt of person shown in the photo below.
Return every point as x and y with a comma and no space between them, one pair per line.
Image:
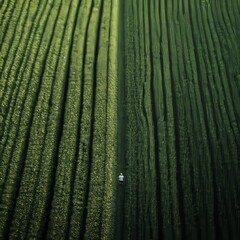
120,177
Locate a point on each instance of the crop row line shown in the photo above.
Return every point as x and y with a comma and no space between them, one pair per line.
11,103
7,84
37,138
20,142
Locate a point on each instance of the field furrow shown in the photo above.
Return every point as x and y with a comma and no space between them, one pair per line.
14,154
17,74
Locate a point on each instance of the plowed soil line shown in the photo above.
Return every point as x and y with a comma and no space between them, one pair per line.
120,227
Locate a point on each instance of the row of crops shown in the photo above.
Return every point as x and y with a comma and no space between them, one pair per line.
58,101
182,62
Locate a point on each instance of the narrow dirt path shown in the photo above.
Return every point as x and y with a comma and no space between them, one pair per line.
120,228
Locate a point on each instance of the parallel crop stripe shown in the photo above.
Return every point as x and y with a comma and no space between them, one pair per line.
8,51
8,11
17,156
97,189
38,132
111,117
15,36
92,82
44,187
7,38
17,77
79,180
58,225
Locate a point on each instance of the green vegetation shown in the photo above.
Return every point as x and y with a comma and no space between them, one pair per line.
58,119
89,89
183,120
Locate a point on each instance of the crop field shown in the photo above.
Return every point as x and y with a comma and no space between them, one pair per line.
182,104
92,88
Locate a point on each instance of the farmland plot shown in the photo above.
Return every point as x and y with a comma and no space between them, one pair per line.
58,119
89,89
182,108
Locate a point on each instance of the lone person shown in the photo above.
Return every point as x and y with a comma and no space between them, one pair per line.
120,178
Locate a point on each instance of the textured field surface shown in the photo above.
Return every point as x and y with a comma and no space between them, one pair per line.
182,66
92,88
58,119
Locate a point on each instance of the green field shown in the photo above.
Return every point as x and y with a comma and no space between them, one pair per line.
92,88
